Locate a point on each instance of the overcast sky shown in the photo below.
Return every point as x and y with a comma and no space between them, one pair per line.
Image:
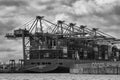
103,14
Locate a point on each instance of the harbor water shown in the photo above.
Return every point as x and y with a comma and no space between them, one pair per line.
38,76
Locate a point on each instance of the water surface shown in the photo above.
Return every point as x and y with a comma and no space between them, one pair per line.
60,76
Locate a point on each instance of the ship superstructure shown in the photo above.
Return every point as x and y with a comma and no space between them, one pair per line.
56,47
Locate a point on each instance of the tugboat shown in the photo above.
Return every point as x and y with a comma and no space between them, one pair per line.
50,47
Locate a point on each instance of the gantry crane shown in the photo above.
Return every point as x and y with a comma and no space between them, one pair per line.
43,32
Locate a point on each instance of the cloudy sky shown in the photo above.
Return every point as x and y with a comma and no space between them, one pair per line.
103,14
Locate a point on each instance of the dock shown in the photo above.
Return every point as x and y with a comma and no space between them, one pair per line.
96,68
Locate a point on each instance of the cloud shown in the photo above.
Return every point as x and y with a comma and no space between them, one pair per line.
84,7
5,27
106,2
16,3
10,47
117,10
10,56
62,17
7,50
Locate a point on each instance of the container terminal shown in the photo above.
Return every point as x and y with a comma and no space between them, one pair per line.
63,47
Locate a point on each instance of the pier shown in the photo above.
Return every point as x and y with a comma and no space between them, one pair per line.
96,68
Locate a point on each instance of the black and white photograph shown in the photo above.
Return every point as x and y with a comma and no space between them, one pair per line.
59,39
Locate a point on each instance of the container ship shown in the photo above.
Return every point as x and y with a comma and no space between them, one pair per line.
66,47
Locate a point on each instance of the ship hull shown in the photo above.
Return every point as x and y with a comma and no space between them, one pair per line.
48,66
57,70
66,66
